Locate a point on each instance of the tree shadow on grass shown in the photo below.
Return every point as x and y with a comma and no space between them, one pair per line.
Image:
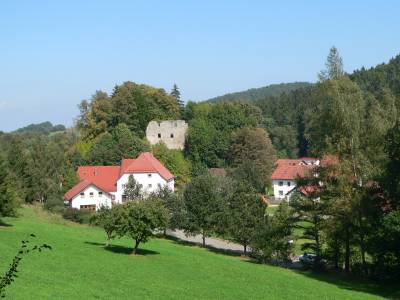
4,224
207,247
123,250
349,282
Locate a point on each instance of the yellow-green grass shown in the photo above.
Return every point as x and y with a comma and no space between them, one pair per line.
79,267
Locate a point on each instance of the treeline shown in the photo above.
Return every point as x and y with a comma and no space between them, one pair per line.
273,90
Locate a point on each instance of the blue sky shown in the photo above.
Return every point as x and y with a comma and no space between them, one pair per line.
53,54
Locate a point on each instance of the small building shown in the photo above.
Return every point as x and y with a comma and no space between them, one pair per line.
171,132
105,185
286,172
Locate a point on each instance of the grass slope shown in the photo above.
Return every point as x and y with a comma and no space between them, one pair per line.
79,267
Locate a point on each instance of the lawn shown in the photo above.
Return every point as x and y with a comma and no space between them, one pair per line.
79,267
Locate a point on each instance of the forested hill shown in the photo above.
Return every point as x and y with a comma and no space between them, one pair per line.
386,75
43,128
272,90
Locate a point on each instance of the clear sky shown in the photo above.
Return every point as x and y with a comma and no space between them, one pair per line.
53,54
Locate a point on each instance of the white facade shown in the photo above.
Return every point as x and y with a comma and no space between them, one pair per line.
282,187
150,182
91,196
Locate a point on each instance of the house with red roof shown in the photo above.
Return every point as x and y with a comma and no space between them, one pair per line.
105,185
286,172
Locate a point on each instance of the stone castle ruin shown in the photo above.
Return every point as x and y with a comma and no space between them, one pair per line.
171,132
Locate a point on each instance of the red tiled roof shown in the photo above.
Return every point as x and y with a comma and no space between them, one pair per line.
83,184
145,163
104,177
289,169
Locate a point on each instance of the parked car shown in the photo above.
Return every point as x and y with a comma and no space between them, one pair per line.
309,258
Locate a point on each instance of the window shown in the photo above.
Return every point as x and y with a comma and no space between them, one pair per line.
280,193
82,195
91,194
91,207
288,183
123,186
100,194
150,185
123,198
159,135
172,135
280,183
149,175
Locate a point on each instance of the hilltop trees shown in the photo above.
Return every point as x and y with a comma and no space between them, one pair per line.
334,66
253,156
175,92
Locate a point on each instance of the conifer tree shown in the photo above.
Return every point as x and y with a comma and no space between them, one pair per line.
334,66
177,95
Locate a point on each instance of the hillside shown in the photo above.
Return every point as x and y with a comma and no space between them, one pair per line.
273,90
79,267
42,128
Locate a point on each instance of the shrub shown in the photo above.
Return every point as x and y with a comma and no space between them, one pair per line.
76,215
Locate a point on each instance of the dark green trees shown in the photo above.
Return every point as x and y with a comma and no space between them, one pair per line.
205,200
8,195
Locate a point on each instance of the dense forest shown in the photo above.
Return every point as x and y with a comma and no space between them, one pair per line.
352,117
272,90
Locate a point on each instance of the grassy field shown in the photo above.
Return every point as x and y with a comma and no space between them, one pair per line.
79,267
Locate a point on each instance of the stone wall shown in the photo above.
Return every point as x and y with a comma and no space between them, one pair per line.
171,132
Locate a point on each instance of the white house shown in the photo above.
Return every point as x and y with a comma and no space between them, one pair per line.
105,185
286,172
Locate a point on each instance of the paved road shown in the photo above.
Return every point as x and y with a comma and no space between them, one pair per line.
210,242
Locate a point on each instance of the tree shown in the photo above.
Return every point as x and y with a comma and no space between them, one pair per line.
174,161
109,219
273,237
334,66
252,147
8,196
140,220
310,211
244,214
133,189
177,95
205,200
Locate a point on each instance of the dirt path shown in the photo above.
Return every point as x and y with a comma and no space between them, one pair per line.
210,242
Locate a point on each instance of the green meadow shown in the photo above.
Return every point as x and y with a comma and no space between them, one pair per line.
80,267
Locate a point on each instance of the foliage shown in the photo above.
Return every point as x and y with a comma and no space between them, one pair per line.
334,66
273,90
174,161
11,274
245,212
133,190
251,147
108,219
141,218
132,104
41,128
9,200
80,216
205,201
273,237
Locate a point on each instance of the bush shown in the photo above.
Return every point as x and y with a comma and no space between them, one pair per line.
76,215
55,203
